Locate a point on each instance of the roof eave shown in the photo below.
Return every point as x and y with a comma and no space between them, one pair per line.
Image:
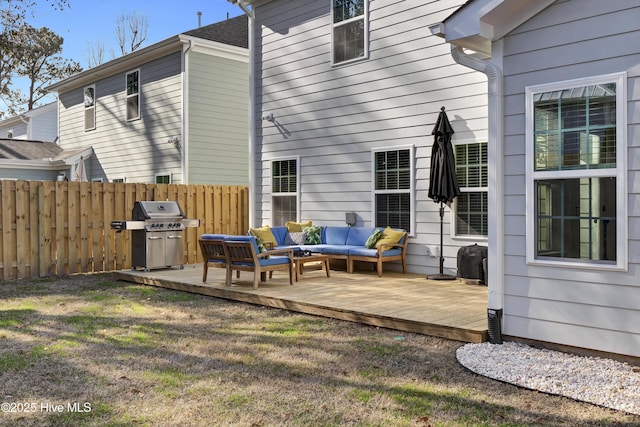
216,48
121,64
479,23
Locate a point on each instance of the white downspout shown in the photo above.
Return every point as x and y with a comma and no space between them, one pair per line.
495,175
26,122
252,110
252,123
183,145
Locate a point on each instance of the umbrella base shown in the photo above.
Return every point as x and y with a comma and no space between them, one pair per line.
441,277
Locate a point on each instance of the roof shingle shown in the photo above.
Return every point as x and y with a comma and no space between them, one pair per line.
233,31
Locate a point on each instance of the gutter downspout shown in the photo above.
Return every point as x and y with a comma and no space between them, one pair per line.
25,120
252,110
252,122
184,144
495,257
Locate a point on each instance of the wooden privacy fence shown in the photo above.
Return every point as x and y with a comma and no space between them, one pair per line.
58,228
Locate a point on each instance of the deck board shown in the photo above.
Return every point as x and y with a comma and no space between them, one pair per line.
406,302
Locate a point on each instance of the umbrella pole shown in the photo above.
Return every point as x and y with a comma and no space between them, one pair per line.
441,275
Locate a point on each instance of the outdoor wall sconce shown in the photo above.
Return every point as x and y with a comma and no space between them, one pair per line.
268,117
175,141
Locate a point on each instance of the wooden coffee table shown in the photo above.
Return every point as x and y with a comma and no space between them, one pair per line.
299,263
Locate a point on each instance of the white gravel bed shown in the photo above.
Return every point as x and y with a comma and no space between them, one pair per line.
600,381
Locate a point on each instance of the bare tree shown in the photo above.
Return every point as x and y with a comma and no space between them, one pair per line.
131,31
95,54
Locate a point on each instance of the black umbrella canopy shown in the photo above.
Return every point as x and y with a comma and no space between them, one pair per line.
443,184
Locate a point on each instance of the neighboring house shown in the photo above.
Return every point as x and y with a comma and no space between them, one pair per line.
38,160
349,91
29,149
39,124
172,112
565,231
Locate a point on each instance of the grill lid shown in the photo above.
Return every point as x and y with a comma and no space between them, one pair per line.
156,210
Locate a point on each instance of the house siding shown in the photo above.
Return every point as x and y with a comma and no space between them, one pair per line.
27,174
333,116
44,127
218,120
594,309
134,149
17,129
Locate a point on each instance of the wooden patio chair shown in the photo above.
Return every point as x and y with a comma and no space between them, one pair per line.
242,255
213,255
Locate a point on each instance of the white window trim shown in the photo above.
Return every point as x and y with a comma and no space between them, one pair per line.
298,184
119,179
156,175
127,96
365,16
412,184
620,173
453,217
92,107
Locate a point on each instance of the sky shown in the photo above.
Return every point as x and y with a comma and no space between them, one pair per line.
86,22
94,21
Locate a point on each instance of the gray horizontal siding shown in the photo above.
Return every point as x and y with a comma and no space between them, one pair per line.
133,149
333,116
580,307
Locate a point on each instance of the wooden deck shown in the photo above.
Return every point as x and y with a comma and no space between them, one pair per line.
404,302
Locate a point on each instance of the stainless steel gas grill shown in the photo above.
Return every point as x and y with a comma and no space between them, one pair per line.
156,234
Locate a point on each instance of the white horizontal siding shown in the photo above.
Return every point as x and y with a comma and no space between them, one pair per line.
333,116
580,307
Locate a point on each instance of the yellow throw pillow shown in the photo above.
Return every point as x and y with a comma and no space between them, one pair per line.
296,227
265,234
389,238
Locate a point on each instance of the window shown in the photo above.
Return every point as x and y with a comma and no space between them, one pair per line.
163,178
118,180
133,95
393,188
471,205
89,107
575,172
349,30
284,190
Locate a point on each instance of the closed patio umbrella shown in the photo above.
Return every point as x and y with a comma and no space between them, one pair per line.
80,174
443,184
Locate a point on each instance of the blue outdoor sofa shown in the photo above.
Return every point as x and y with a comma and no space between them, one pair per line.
347,243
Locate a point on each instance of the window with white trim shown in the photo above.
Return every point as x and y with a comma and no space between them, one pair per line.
284,190
89,95
349,30
163,178
576,172
133,94
471,205
393,189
